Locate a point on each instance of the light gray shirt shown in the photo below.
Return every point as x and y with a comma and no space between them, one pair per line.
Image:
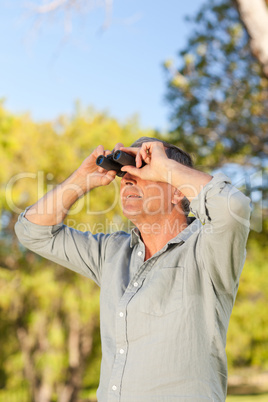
163,329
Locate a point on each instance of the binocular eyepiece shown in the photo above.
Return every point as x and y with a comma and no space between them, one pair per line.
115,161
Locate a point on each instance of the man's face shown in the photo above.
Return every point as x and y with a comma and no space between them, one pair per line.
142,199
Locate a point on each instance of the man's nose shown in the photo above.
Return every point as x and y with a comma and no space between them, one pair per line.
128,179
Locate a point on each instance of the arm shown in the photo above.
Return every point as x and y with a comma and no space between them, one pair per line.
40,228
223,210
54,206
160,168
225,214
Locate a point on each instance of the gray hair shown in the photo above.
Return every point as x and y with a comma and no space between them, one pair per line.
177,154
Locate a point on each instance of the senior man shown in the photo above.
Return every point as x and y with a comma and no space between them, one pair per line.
168,287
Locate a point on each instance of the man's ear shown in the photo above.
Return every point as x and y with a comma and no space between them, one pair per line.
177,196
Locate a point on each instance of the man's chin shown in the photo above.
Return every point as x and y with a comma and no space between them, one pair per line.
131,212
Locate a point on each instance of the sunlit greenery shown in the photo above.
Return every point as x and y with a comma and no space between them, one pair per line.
218,98
49,316
249,398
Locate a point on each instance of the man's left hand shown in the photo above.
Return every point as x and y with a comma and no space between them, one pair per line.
155,158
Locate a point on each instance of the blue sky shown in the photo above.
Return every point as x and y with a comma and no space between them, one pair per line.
119,70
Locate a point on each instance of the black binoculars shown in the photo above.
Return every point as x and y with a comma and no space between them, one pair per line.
115,161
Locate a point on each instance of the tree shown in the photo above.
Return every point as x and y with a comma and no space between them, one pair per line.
218,94
68,8
49,315
254,15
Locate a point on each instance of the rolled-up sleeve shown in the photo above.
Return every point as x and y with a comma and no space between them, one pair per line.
82,252
225,214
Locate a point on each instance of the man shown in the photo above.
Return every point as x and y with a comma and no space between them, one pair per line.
168,288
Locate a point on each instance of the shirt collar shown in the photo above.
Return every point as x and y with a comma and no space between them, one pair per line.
182,236
135,237
187,232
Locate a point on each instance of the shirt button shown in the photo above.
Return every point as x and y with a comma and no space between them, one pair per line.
121,351
121,314
139,253
114,387
135,284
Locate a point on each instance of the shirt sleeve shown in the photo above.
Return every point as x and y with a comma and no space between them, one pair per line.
82,252
224,212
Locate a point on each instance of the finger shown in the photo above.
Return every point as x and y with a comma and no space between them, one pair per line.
130,150
111,174
108,177
151,147
101,170
138,160
145,154
131,170
148,147
141,157
104,171
99,150
119,145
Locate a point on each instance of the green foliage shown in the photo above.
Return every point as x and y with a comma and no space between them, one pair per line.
219,101
247,398
49,322
247,340
217,94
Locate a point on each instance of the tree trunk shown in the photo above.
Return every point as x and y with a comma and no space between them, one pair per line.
43,393
254,15
30,343
79,348
40,390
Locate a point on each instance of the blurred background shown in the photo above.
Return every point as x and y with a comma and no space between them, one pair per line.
77,73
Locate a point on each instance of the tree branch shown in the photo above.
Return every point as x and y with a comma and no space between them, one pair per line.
254,15
70,6
47,8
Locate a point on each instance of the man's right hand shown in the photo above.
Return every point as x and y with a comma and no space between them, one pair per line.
92,176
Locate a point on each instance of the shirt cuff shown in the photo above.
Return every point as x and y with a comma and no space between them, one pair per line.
34,228
24,213
198,204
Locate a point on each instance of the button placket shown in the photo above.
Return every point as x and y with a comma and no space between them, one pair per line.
121,331
121,347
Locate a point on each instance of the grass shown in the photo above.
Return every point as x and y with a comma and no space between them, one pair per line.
22,395
230,398
247,398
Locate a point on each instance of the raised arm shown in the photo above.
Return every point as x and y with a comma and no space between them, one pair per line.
159,167
54,206
41,230
223,210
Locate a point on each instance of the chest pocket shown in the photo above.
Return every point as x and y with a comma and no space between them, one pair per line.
162,293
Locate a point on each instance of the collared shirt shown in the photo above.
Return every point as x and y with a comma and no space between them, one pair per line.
163,321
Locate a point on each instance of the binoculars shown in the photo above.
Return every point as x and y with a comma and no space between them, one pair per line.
115,161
